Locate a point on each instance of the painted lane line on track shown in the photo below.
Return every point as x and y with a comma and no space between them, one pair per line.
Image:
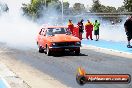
5,72
5,51
3,83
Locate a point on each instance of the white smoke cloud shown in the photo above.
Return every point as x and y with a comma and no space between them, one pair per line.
15,30
113,33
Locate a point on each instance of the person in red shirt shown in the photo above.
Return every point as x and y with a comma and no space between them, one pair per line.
89,29
70,26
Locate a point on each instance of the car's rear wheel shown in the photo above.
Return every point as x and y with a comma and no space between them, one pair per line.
77,51
41,50
48,51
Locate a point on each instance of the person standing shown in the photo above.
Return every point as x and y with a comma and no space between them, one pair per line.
70,26
128,30
96,29
81,28
89,29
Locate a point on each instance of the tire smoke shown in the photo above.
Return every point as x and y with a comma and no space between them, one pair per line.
15,30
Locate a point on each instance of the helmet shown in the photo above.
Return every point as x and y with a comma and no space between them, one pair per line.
70,20
82,20
88,20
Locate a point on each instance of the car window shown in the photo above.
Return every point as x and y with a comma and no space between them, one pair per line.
53,31
49,32
42,31
59,31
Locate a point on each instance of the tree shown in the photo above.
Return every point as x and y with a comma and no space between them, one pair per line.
66,8
110,9
3,7
54,6
128,5
78,8
36,7
121,9
96,6
32,9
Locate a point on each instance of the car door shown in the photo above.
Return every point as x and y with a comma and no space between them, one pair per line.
44,39
39,37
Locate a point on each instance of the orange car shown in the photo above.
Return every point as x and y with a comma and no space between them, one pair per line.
57,38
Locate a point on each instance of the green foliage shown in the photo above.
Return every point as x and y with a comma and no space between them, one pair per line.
36,7
66,5
108,9
121,9
97,7
32,9
128,5
66,8
78,8
55,6
3,7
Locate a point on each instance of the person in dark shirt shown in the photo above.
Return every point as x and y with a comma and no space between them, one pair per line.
81,28
128,30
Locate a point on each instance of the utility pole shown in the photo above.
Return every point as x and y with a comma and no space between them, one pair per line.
45,4
62,14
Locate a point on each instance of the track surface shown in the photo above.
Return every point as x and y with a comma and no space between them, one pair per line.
63,68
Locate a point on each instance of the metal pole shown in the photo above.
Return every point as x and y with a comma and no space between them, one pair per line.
45,3
62,12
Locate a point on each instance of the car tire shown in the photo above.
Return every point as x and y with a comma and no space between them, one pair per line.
48,52
77,52
41,50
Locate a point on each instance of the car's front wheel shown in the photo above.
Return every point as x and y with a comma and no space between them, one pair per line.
41,50
77,51
48,51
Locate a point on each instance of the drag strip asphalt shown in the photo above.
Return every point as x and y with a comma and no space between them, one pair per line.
64,68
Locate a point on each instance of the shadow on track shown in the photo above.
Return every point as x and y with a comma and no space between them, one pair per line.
67,54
